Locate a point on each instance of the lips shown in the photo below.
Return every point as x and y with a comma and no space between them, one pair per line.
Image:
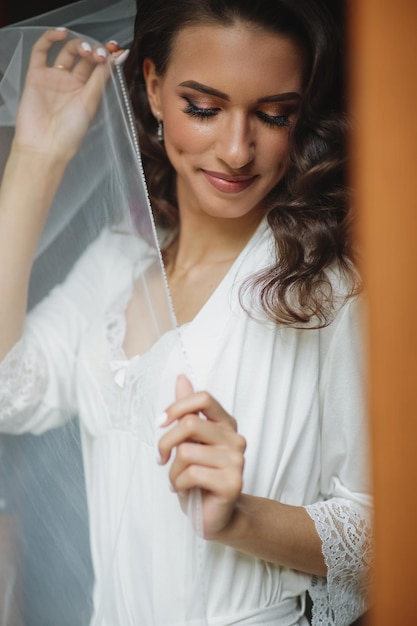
228,183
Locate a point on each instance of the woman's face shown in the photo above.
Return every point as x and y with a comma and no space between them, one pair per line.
228,100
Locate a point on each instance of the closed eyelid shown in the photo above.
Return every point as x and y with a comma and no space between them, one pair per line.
203,113
274,120
200,101
288,113
198,107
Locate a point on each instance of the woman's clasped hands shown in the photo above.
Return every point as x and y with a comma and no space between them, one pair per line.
60,99
209,455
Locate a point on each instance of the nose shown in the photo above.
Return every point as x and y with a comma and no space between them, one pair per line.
235,144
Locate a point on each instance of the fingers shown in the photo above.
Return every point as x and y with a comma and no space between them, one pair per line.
191,428
219,428
71,52
219,472
209,454
192,455
222,482
80,58
196,402
183,388
118,54
41,48
76,55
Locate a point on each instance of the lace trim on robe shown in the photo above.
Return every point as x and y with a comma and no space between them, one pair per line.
345,530
130,377
23,382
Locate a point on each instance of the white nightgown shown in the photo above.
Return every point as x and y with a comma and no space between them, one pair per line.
297,396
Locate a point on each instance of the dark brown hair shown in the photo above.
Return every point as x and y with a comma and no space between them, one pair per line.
308,211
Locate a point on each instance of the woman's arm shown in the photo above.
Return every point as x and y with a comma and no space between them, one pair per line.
56,109
28,187
275,532
264,528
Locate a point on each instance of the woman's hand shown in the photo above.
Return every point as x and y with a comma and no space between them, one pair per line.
209,454
59,101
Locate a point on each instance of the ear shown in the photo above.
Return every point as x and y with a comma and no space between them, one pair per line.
153,86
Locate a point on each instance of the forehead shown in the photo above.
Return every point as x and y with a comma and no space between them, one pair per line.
240,54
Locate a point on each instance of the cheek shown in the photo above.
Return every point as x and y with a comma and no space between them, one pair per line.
277,155
183,136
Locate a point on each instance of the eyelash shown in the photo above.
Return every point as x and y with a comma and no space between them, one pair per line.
194,111
191,109
274,120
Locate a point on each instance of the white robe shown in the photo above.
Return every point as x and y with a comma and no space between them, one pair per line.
297,396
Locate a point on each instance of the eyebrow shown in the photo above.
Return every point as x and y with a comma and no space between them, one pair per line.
192,84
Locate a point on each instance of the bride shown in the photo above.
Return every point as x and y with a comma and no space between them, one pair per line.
214,361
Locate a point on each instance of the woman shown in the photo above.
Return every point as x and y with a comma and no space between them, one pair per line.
241,131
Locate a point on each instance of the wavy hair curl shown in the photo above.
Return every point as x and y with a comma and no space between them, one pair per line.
308,211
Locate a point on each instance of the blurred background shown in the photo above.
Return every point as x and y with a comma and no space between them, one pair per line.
15,11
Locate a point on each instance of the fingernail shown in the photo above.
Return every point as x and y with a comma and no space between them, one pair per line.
86,46
161,419
172,488
158,456
101,52
122,57
112,46
61,28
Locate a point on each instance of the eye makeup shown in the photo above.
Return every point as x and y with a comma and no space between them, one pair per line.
194,110
278,120
280,108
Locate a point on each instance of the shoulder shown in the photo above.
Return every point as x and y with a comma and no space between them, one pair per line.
343,339
103,269
114,249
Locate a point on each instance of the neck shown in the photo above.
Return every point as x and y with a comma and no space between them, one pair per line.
204,240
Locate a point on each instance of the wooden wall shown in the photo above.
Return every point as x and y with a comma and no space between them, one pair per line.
383,79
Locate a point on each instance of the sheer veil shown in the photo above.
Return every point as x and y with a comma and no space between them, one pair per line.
73,486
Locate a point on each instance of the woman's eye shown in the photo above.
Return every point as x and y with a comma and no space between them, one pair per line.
274,120
200,112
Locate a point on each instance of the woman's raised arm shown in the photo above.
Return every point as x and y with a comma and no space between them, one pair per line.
57,106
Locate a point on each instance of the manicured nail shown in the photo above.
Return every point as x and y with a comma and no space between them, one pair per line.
161,419
86,46
121,58
101,52
112,46
61,28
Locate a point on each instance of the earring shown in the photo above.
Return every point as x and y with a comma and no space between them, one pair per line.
160,131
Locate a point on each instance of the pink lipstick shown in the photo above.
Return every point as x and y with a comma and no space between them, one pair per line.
228,183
